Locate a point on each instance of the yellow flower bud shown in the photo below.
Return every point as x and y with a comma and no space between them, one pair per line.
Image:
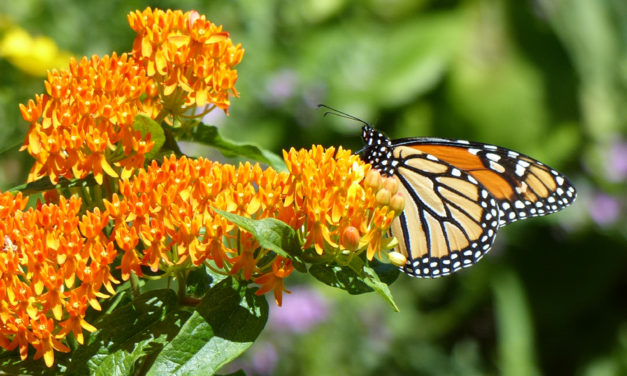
373,179
397,203
391,184
397,258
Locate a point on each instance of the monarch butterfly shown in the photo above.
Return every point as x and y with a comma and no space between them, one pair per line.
457,194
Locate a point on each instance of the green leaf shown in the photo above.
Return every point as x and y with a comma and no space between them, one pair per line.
270,233
358,278
208,135
341,277
129,336
373,281
145,126
44,184
387,273
225,324
514,323
200,280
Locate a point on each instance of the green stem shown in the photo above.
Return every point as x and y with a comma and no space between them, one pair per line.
170,141
135,285
182,284
162,115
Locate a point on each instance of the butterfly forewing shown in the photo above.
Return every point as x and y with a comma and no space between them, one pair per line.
450,219
523,186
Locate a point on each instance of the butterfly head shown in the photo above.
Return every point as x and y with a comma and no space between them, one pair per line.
378,150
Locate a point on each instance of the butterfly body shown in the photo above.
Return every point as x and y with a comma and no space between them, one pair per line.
458,193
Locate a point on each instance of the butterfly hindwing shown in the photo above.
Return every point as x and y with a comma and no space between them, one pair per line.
450,219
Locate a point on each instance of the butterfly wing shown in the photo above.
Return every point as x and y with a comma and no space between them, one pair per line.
522,186
457,194
450,219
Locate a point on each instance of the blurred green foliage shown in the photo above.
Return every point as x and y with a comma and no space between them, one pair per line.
545,77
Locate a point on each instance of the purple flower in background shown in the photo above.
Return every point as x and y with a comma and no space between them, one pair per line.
604,209
617,162
301,310
264,360
281,86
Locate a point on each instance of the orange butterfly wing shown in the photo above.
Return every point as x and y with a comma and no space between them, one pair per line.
457,195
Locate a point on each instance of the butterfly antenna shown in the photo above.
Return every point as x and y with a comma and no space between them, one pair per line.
339,113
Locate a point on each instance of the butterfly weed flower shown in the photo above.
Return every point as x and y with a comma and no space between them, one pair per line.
191,59
83,123
168,216
164,217
274,280
53,264
339,200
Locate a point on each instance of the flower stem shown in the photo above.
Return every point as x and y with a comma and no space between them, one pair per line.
134,285
181,278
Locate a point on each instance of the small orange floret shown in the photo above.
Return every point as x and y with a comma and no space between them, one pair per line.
273,280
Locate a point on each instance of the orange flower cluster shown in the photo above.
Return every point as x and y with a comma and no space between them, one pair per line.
84,121
164,215
189,57
53,264
345,204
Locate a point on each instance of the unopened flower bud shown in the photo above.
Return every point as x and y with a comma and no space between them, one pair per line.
373,179
391,184
397,258
383,197
397,203
350,238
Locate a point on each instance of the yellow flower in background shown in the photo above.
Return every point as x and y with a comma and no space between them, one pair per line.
33,55
191,59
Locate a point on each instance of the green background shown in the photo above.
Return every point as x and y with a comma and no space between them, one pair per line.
547,78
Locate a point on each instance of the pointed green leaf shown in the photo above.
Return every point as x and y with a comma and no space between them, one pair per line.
225,324
270,233
129,336
209,135
358,278
341,277
373,281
